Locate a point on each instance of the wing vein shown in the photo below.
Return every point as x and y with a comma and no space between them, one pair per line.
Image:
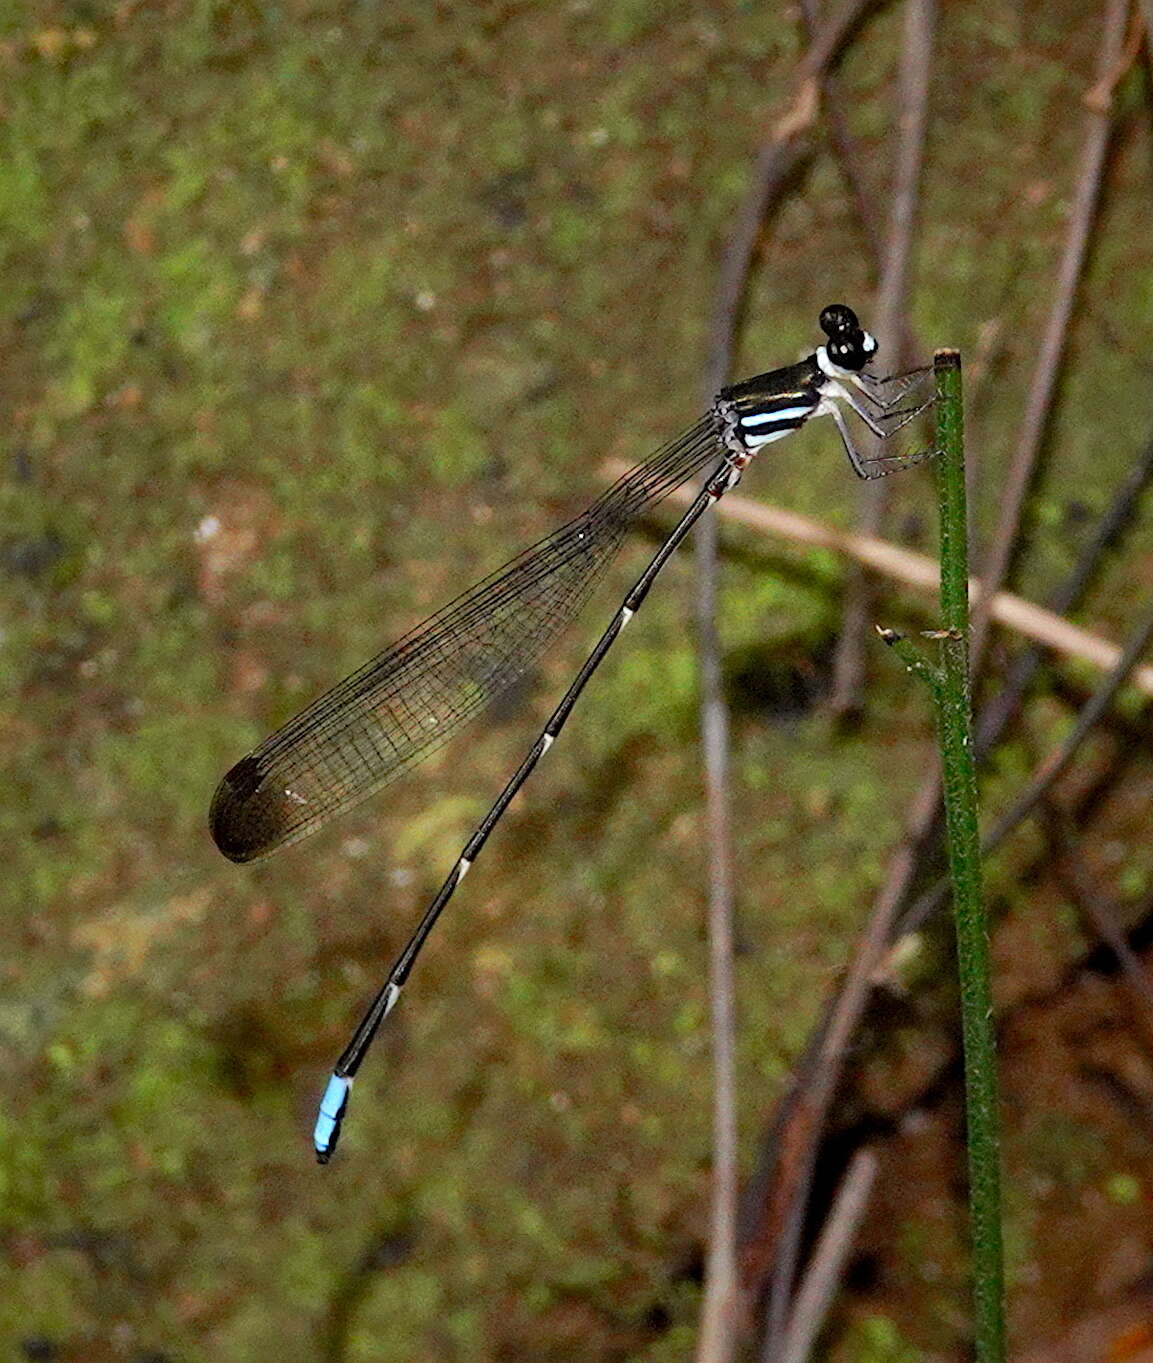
411,698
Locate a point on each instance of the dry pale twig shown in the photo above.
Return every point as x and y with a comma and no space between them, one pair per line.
1100,96
916,570
825,1268
719,1316
776,160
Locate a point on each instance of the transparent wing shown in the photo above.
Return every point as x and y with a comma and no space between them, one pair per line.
410,699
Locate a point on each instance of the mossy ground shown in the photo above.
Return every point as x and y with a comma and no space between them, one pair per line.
313,313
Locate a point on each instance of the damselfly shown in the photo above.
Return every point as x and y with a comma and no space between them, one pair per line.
411,698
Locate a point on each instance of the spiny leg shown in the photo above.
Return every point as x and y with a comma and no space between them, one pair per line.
869,468
885,392
883,424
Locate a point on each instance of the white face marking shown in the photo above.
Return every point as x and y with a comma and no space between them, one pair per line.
626,615
834,370
827,367
389,1003
463,866
546,742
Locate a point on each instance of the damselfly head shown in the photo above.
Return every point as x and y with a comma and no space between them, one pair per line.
849,345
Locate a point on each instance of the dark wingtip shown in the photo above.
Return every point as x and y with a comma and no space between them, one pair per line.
226,819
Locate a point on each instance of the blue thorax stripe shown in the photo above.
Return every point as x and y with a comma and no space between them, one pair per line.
778,414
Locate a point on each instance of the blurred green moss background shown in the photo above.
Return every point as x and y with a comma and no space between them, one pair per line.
313,313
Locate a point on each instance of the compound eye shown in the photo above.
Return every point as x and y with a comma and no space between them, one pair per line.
839,320
848,351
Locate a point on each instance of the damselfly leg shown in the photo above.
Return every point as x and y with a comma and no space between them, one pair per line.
877,465
883,414
916,386
884,420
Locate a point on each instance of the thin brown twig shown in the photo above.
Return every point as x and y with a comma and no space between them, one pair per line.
831,40
840,1020
844,149
824,1272
1043,388
923,822
1096,908
776,160
1048,771
889,324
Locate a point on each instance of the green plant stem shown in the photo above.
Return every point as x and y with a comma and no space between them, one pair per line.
949,685
954,720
